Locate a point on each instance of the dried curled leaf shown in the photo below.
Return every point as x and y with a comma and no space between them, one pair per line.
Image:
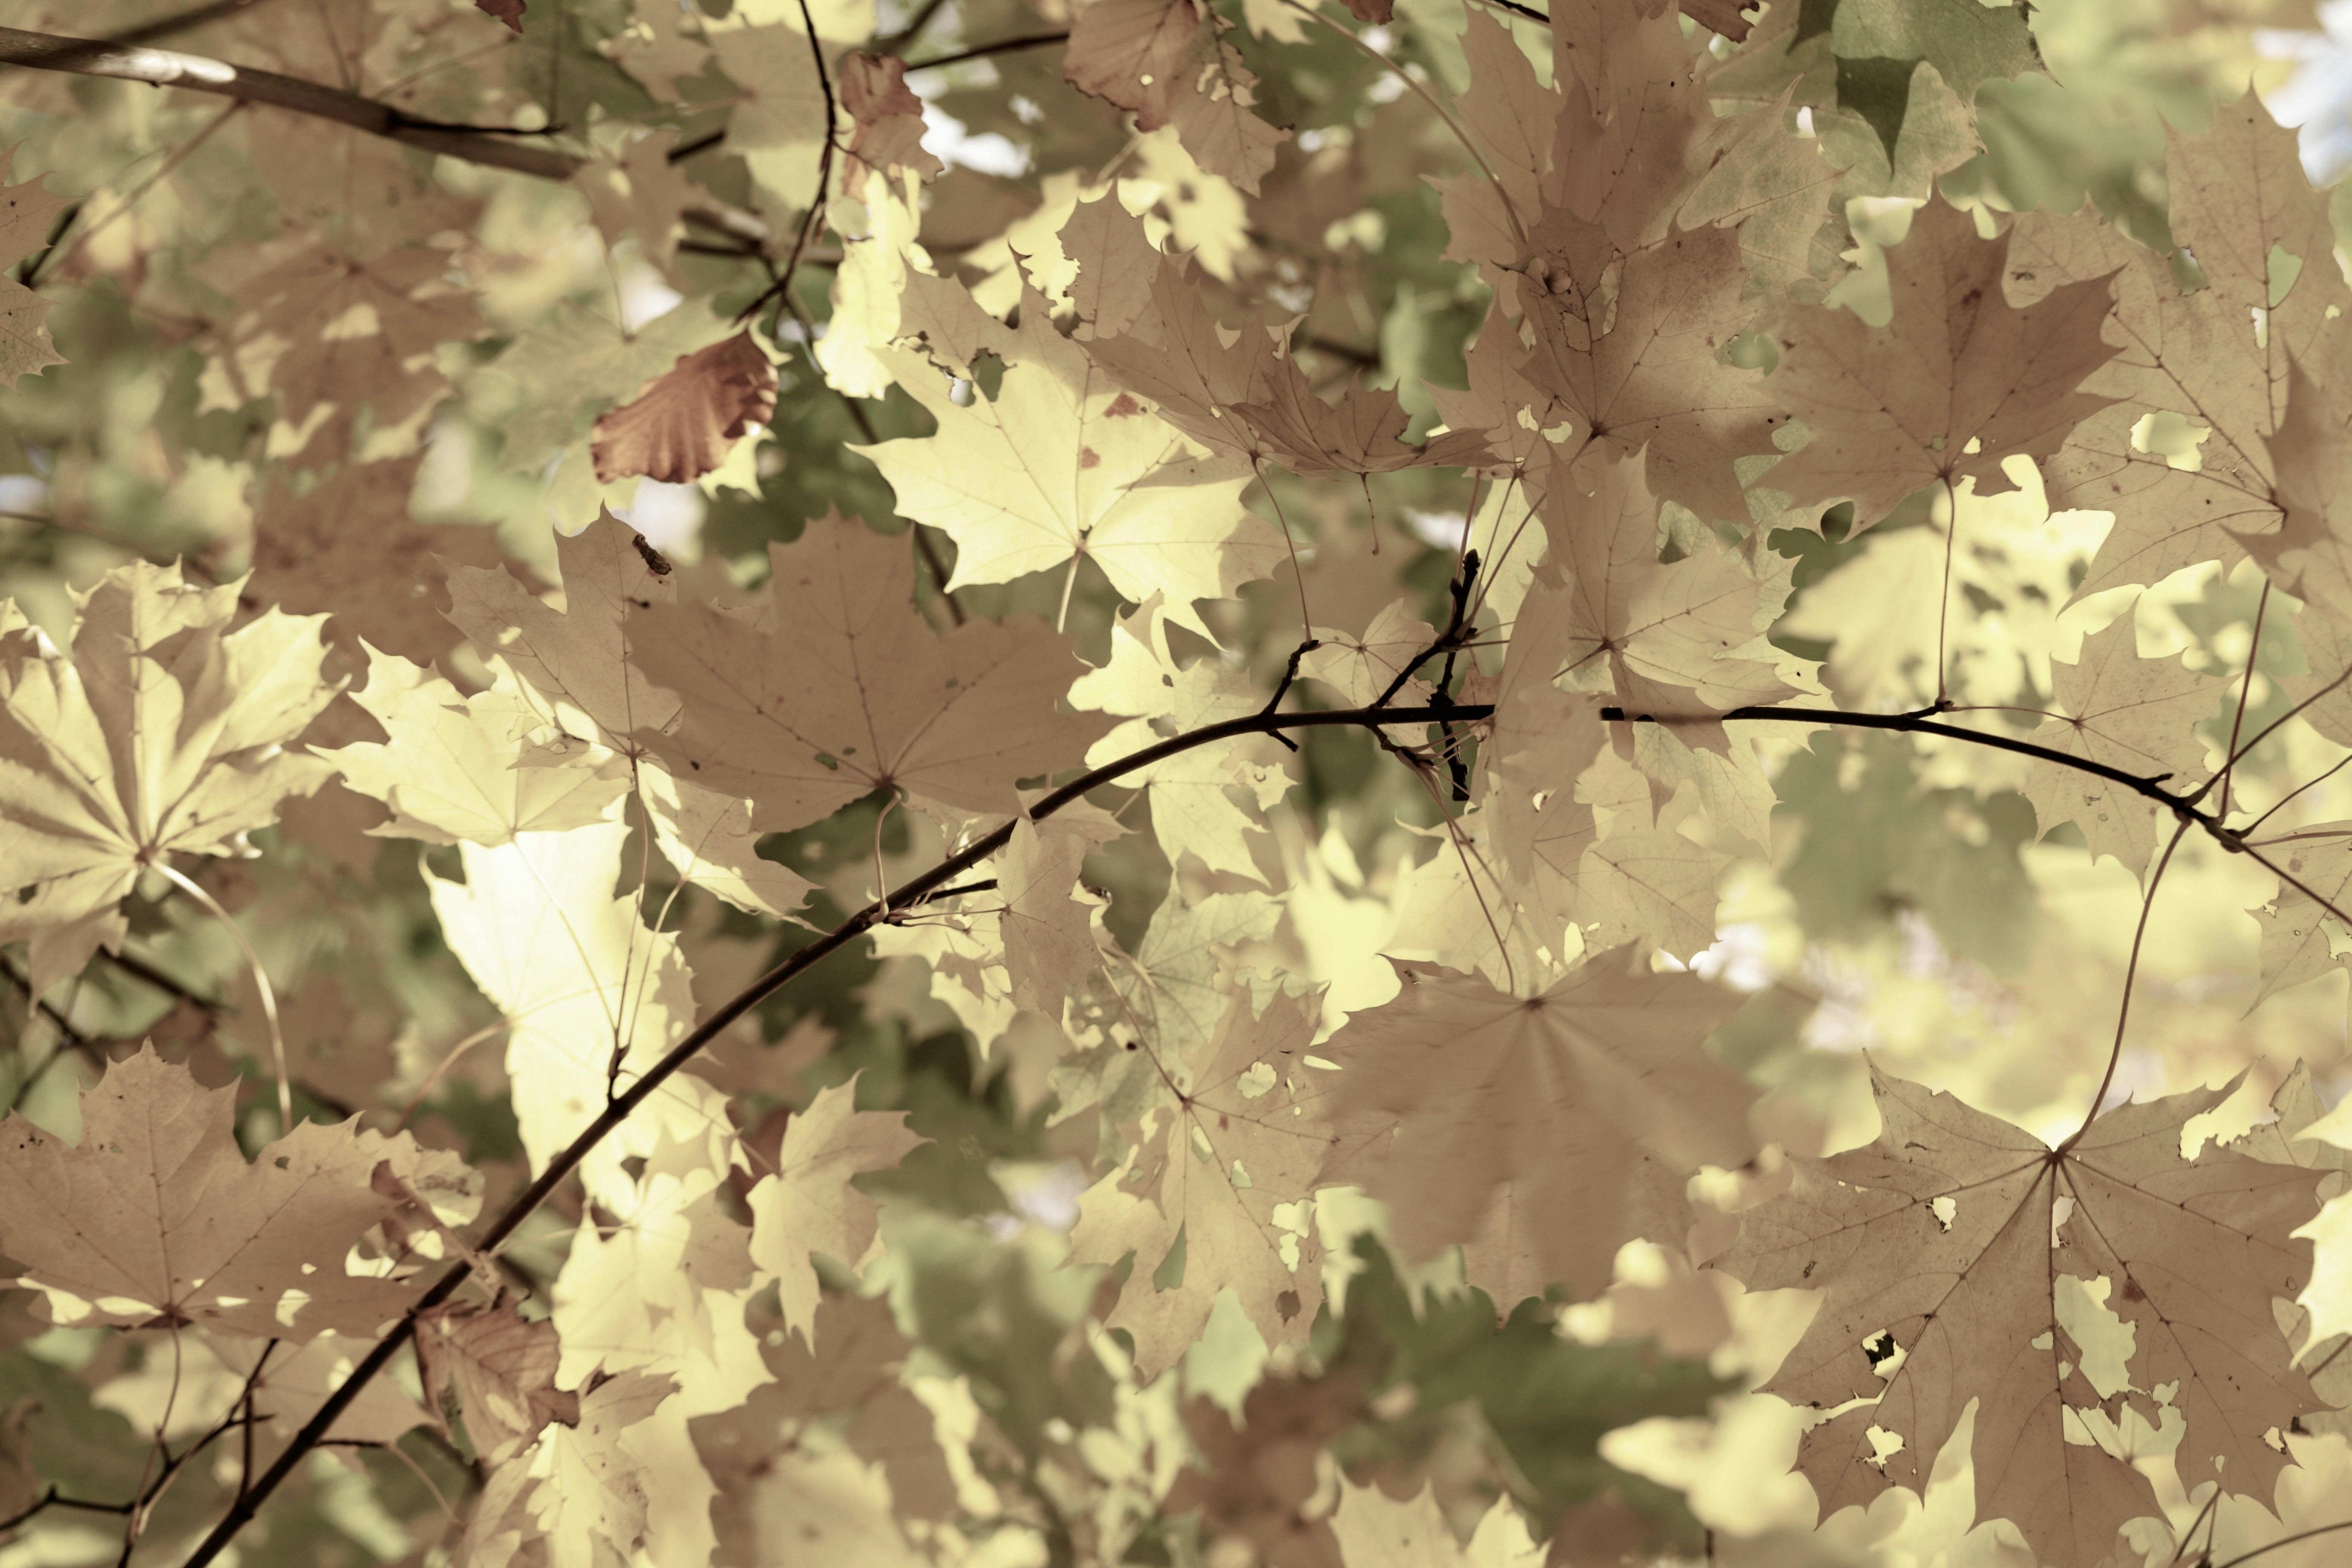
683,425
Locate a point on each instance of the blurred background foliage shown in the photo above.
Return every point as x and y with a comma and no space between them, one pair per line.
1905,907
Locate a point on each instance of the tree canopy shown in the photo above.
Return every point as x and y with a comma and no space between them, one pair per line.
1000,782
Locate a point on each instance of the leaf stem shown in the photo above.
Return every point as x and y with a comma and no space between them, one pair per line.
2131,973
1414,85
2245,690
194,889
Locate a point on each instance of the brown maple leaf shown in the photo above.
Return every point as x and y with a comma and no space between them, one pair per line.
839,687
1168,61
1939,1249
1535,1128
156,1218
500,1371
27,212
2128,712
683,423
2215,352
888,116
1958,380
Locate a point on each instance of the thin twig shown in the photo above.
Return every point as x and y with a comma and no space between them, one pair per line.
1414,85
1516,9
2131,974
1289,677
50,1499
195,890
814,218
2285,1541
1002,47
910,32
196,73
2245,690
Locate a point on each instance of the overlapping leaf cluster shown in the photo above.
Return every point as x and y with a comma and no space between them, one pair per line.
1216,910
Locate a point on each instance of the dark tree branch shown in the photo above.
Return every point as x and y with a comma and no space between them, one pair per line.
1002,47
49,1498
940,881
928,885
910,32
140,969
1920,724
814,219
197,73
167,68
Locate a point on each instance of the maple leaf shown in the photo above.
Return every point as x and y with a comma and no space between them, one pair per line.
591,999
1168,61
479,769
1242,394
499,1369
2128,712
2295,944
329,331
162,733
682,426
589,1493
2218,355
862,1375
1050,947
1220,1179
1544,1114
577,660
157,1218
1956,380
1639,365
889,119
347,547
1063,463
27,212
1661,635
807,1205
1376,1530
838,687
1946,1241
1256,1474
664,1291
506,11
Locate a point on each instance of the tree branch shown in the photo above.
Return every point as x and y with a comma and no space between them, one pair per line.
917,892
1002,47
1920,724
198,73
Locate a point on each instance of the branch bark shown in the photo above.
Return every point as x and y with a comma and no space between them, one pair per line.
200,73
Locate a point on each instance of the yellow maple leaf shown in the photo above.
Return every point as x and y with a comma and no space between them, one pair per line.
162,733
